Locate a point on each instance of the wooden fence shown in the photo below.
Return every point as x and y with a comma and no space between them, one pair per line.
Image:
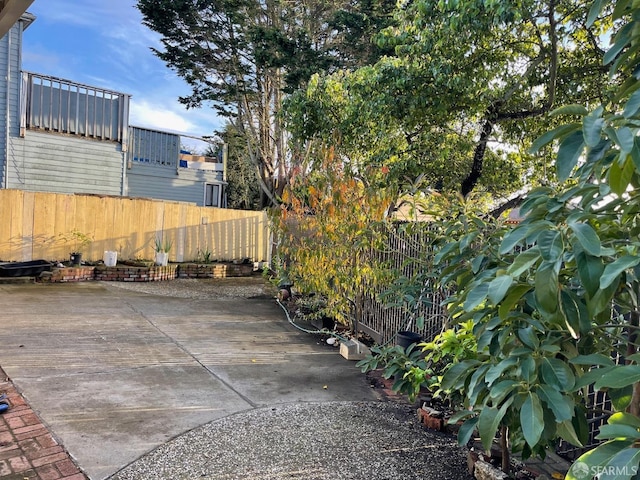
35,225
382,321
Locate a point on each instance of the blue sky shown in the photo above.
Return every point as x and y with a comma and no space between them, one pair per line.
102,43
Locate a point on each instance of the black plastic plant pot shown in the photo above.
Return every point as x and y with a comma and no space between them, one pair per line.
75,258
406,339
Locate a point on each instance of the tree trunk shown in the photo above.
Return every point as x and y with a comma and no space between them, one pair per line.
469,183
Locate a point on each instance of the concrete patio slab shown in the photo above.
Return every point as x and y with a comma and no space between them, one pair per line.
117,373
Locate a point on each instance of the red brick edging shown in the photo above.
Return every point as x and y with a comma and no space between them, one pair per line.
28,450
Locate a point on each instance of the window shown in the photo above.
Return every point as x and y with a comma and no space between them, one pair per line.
211,195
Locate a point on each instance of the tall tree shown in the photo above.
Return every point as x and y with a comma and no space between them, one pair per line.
243,56
460,101
243,190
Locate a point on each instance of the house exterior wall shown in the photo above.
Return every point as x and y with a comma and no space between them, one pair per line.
156,170
50,162
10,51
181,185
47,146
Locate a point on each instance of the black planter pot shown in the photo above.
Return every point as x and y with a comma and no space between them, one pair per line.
406,339
75,258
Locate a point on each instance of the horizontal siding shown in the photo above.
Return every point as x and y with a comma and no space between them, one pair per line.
147,181
9,70
63,164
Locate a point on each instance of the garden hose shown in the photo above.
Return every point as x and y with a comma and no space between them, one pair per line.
322,331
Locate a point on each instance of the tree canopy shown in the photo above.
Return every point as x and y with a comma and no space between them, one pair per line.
243,56
460,101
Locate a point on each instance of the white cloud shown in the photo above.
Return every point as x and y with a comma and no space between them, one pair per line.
144,114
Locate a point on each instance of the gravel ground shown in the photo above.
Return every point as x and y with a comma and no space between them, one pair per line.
348,441
210,288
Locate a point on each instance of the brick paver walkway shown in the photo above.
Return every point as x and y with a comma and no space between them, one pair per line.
28,450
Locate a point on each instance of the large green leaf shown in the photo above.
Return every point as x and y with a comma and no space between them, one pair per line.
568,154
624,418
466,430
594,11
571,313
592,359
476,296
587,465
497,370
558,374
613,270
455,376
548,137
532,419
512,238
499,287
547,289
572,109
592,126
625,139
567,432
619,376
550,245
620,175
620,397
523,262
617,430
561,405
621,40
591,376
623,466
514,296
501,390
489,421
632,105
528,337
590,270
587,237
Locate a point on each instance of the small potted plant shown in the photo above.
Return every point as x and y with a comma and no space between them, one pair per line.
162,251
79,240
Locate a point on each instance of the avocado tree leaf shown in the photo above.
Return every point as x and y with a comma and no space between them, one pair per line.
568,154
594,12
523,262
625,139
466,430
489,421
586,237
596,458
632,105
498,288
571,109
551,135
550,245
620,175
512,299
567,431
476,296
618,377
560,405
614,269
558,374
590,270
532,419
